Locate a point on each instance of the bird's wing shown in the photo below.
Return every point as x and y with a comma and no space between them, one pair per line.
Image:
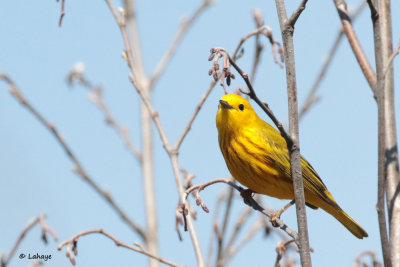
278,156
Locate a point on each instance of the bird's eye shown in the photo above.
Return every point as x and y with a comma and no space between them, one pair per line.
241,106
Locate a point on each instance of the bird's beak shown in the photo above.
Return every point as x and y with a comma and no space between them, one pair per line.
225,104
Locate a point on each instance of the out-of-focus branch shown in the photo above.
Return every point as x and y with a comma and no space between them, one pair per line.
362,59
41,219
222,232
76,75
195,113
184,27
143,91
360,259
77,168
312,98
287,29
71,245
232,251
281,250
248,199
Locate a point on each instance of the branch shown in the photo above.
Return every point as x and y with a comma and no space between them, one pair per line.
296,14
184,27
71,244
287,28
312,98
77,168
281,249
194,116
248,200
172,153
355,45
359,260
267,32
41,219
62,12
381,54
220,52
231,252
76,75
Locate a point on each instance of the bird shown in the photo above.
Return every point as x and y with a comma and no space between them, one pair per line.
257,157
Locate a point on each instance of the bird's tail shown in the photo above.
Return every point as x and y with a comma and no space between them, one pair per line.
346,220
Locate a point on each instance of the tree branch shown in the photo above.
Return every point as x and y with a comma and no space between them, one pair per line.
77,168
71,244
41,219
248,200
355,45
287,28
312,98
76,75
185,26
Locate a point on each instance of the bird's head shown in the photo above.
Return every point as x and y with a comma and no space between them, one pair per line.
234,112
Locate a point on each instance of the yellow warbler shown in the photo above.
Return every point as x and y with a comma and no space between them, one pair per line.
257,156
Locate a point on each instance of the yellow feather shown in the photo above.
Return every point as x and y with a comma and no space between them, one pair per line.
256,155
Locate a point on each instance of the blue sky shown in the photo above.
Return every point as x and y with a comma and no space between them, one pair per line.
338,136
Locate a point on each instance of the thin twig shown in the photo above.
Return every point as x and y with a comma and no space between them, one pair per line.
77,168
362,59
221,52
41,219
391,58
296,14
62,12
195,113
312,98
76,75
254,229
137,81
71,244
267,32
248,199
184,27
222,232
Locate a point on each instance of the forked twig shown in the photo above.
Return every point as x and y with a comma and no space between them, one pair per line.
41,219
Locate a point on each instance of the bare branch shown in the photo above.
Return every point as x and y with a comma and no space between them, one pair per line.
76,75
77,168
359,260
267,32
355,45
281,249
185,26
232,251
311,98
41,219
248,199
141,86
296,14
62,12
294,147
195,113
71,244
391,58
